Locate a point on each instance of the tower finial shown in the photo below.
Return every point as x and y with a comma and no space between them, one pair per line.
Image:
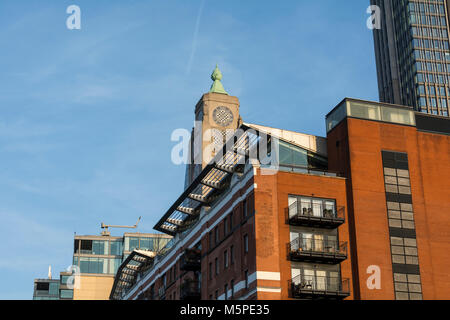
217,86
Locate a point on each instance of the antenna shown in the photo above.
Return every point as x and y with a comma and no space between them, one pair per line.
106,232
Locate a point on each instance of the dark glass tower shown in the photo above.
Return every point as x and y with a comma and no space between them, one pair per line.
413,54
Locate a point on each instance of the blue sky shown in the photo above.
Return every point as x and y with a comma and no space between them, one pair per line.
86,115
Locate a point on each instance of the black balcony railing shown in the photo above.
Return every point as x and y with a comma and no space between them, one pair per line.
315,216
316,287
317,250
190,290
190,260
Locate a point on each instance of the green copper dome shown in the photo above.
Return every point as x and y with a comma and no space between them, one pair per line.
217,86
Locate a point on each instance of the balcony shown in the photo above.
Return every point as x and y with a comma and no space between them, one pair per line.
297,214
315,250
190,260
190,290
315,287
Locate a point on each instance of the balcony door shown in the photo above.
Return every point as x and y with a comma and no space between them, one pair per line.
293,207
321,280
296,276
305,207
313,279
295,241
306,240
317,208
333,281
318,242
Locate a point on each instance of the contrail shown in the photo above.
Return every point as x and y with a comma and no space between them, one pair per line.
194,41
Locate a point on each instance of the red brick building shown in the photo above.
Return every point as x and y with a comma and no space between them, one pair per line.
361,214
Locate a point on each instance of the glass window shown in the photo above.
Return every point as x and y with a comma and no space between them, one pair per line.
146,244
86,247
317,208
76,246
225,259
421,89
364,111
292,155
116,248
94,265
66,294
84,265
334,118
99,247
134,243
53,288
312,207
64,279
398,116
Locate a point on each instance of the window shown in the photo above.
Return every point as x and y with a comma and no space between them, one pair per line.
64,279
216,295
114,265
407,286
134,244
216,234
246,243
93,265
146,243
116,248
99,247
307,206
210,240
225,289
225,259
225,227
66,294
42,286
86,246
53,288
404,251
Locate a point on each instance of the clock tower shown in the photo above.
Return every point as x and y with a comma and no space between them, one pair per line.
216,117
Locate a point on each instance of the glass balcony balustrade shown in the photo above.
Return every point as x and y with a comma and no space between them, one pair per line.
315,213
317,287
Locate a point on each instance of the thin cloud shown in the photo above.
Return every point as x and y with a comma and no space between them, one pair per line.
194,41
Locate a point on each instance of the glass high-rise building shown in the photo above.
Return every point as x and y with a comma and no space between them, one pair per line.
413,54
